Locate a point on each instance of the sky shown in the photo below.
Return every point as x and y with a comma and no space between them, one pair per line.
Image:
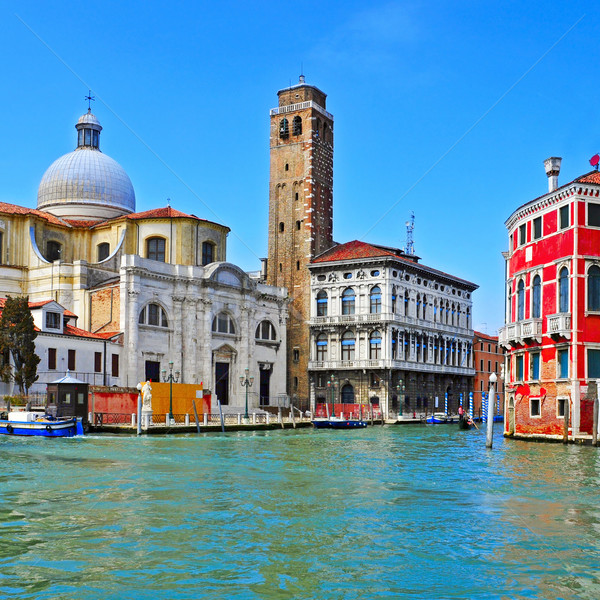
445,109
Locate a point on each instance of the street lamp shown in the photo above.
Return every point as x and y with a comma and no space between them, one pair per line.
170,378
401,389
246,382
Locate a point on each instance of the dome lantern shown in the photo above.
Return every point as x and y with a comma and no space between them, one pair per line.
88,131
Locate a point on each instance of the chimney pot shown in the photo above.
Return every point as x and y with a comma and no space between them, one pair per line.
552,166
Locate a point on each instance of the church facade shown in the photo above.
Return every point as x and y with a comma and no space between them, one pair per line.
155,285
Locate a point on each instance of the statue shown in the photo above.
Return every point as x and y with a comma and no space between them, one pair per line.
147,396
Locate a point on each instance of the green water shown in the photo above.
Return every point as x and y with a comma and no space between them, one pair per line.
384,512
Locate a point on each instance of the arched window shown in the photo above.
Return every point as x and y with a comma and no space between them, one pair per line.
521,300
318,127
424,316
510,306
394,300
322,304
155,249
284,129
281,227
223,323
375,345
536,297
264,331
53,250
322,346
594,288
153,314
103,251
406,303
375,300
348,301
208,253
563,290
297,125
348,344
468,323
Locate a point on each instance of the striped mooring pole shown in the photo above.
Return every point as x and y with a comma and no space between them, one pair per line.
471,405
484,404
461,399
497,404
446,403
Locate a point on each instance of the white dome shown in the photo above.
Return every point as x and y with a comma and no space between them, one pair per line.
86,184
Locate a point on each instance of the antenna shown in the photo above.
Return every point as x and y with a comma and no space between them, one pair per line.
410,226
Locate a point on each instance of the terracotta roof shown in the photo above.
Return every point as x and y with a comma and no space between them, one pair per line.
75,331
352,250
592,177
79,223
357,249
478,334
107,334
13,209
167,212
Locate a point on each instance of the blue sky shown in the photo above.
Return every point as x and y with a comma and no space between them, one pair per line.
447,109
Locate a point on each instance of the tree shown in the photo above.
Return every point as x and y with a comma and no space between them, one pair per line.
17,338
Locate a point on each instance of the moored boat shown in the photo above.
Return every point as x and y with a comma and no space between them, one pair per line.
338,423
437,418
31,423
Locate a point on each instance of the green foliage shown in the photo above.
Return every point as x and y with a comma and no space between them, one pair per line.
17,337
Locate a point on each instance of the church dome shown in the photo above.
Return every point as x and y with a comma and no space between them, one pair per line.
86,184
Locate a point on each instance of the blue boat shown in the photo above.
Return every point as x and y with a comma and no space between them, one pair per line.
29,423
338,423
438,418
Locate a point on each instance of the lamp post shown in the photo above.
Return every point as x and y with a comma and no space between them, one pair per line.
401,389
170,378
246,382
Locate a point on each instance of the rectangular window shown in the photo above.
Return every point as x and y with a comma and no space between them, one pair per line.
71,360
52,320
593,214
52,359
560,407
535,366
593,364
563,363
535,407
519,367
208,253
481,365
564,216
522,234
115,365
80,398
97,362
537,228
489,366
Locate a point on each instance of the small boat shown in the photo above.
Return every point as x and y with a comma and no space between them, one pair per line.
338,423
32,423
464,422
437,418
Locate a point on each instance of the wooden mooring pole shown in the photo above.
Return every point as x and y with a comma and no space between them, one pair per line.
566,421
196,415
595,427
221,413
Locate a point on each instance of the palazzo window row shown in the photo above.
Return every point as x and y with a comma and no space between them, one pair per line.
401,345
401,303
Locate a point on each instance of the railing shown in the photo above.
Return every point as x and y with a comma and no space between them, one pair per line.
560,324
531,329
300,106
390,364
186,420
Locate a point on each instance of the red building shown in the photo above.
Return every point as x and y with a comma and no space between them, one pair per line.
552,331
488,358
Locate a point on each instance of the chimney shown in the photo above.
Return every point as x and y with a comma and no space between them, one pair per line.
552,166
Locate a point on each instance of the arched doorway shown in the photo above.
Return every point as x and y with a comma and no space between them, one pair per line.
348,394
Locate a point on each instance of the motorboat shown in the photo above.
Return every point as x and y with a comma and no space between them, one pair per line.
37,424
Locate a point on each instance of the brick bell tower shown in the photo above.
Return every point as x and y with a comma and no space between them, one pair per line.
300,212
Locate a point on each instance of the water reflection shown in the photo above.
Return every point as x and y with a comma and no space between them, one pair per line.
414,512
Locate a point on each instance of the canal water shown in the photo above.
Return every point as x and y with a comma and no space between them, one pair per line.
386,512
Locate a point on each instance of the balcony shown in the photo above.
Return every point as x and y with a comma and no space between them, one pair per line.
404,365
559,325
516,334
